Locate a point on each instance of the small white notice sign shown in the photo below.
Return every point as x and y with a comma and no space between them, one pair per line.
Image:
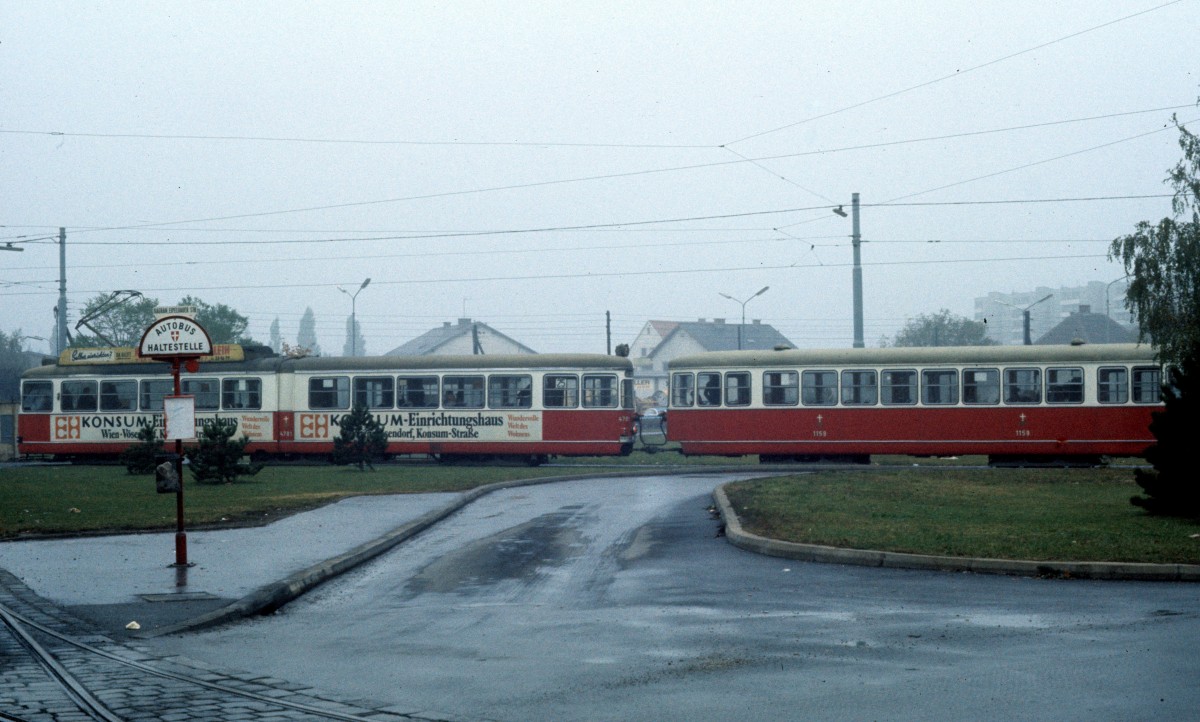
179,417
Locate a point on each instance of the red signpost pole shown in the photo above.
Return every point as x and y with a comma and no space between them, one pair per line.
180,340
180,536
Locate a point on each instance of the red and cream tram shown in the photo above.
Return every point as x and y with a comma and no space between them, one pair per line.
92,404
1015,404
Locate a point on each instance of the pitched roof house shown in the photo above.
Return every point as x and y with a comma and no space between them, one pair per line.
1083,325
683,338
466,337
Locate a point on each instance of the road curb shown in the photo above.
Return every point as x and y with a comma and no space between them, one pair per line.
743,539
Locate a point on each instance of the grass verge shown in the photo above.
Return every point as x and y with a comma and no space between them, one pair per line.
82,499
1033,514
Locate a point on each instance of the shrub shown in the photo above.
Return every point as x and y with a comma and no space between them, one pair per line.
362,440
218,457
139,458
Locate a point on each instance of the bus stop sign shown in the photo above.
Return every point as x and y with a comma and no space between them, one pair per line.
175,337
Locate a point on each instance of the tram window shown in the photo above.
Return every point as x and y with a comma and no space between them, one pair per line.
118,395
939,387
241,393
683,390
781,388
737,388
859,388
1064,386
819,388
208,397
375,392
78,396
510,392
37,396
899,387
560,391
153,391
419,392
981,386
708,388
1147,385
329,392
600,391
1022,386
628,397
462,392
1112,385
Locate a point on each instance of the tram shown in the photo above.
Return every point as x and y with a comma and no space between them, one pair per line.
1015,404
92,403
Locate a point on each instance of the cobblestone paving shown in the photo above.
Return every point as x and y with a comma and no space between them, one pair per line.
28,693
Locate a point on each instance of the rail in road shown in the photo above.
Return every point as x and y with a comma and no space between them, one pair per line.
52,675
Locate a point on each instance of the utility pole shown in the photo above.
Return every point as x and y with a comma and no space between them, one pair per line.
856,241
608,332
61,335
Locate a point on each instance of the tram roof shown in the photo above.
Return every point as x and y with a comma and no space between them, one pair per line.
930,355
347,364
467,362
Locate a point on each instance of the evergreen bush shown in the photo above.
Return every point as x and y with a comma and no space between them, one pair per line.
139,458
361,441
217,459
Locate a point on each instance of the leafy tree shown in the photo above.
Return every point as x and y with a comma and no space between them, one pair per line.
224,325
125,324
12,363
139,458
355,344
307,338
941,329
1163,263
361,440
218,457
276,342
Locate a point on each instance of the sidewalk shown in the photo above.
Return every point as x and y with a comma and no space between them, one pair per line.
114,580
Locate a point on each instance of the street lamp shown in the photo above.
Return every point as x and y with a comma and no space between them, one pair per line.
1025,314
856,272
354,316
748,300
1107,310
29,338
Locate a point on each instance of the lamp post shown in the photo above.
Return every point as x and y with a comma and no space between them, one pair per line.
354,315
748,300
1108,310
856,273
30,338
1025,314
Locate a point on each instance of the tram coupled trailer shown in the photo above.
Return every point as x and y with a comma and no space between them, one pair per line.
520,406
1018,405
527,407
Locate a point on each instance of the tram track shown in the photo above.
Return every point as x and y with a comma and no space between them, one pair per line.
77,668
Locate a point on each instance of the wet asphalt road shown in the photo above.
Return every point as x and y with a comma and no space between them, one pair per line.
617,600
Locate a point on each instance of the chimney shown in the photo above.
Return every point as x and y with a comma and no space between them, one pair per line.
464,322
1085,308
757,322
718,320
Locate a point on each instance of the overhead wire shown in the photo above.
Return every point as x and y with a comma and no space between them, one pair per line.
739,160
955,74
